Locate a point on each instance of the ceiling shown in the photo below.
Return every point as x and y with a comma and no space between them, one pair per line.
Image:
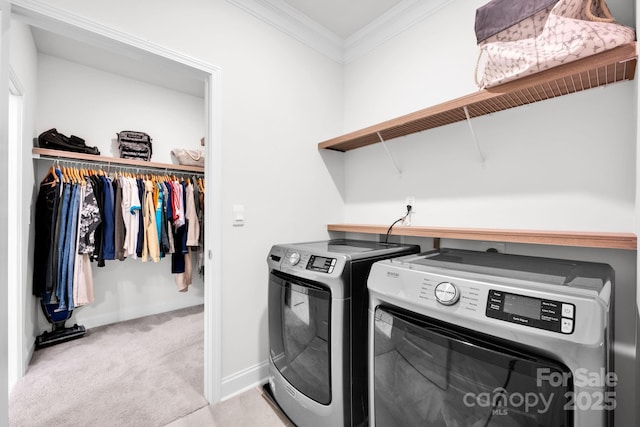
343,17
107,60
343,30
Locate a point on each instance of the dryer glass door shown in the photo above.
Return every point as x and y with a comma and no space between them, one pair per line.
299,314
428,373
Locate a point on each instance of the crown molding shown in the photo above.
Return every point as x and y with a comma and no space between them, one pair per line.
289,20
397,20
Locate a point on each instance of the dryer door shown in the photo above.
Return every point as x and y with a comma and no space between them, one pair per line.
431,373
299,339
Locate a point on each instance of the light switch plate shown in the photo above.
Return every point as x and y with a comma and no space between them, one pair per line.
238,215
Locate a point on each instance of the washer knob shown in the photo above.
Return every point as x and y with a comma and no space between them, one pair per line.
293,258
447,293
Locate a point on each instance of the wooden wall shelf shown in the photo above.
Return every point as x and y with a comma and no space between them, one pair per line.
604,68
627,241
90,158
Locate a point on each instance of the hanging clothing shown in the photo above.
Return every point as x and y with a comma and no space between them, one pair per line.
199,199
193,224
131,210
61,237
140,237
178,204
45,219
158,197
164,226
98,219
118,236
89,219
150,247
64,292
170,224
98,192
108,233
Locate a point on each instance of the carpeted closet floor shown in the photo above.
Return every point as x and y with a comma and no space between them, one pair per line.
142,372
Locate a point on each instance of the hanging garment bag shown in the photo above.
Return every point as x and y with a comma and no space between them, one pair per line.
519,38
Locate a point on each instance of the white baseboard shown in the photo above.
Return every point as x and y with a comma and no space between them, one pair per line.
241,381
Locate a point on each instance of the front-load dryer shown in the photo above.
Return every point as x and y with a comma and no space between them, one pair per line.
466,338
318,304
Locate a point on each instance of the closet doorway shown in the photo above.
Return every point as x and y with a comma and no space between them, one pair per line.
110,51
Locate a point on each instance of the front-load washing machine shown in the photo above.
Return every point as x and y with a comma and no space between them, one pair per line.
318,305
466,338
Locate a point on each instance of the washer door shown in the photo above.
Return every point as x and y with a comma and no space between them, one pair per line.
429,373
299,338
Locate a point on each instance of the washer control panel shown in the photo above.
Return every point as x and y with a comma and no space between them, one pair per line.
293,257
321,264
301,260
555,316
447,293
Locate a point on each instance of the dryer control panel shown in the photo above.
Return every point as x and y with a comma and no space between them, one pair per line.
555,316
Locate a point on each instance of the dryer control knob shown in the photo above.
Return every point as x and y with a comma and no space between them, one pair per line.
293,258
447,293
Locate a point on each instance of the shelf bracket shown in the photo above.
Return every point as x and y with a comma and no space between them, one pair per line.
393,160
473,134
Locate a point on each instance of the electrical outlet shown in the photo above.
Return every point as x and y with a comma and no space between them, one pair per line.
493,247
409,201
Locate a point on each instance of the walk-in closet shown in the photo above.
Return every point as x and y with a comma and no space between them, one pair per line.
94,82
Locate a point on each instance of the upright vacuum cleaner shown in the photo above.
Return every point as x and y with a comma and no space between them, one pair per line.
59,332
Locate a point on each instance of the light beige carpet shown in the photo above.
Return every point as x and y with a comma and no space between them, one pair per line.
143,372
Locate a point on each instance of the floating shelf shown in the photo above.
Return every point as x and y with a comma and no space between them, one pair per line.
627,241
601,69
90,158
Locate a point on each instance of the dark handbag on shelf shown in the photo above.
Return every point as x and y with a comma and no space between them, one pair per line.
54,140
135,145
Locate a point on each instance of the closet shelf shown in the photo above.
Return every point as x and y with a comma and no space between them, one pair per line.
601,69
627,241
68,155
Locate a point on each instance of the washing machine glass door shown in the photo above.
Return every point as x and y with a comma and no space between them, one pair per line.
428,374
299,338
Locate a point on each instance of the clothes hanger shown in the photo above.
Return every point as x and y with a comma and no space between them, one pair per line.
51,172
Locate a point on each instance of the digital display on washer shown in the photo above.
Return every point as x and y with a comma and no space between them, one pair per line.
522,306
319,261
322,264
551,315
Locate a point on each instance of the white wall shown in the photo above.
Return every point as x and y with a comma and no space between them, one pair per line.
95,105
550,165
563,164
279,99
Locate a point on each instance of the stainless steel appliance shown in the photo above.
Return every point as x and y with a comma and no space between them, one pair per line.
318,328
465,338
